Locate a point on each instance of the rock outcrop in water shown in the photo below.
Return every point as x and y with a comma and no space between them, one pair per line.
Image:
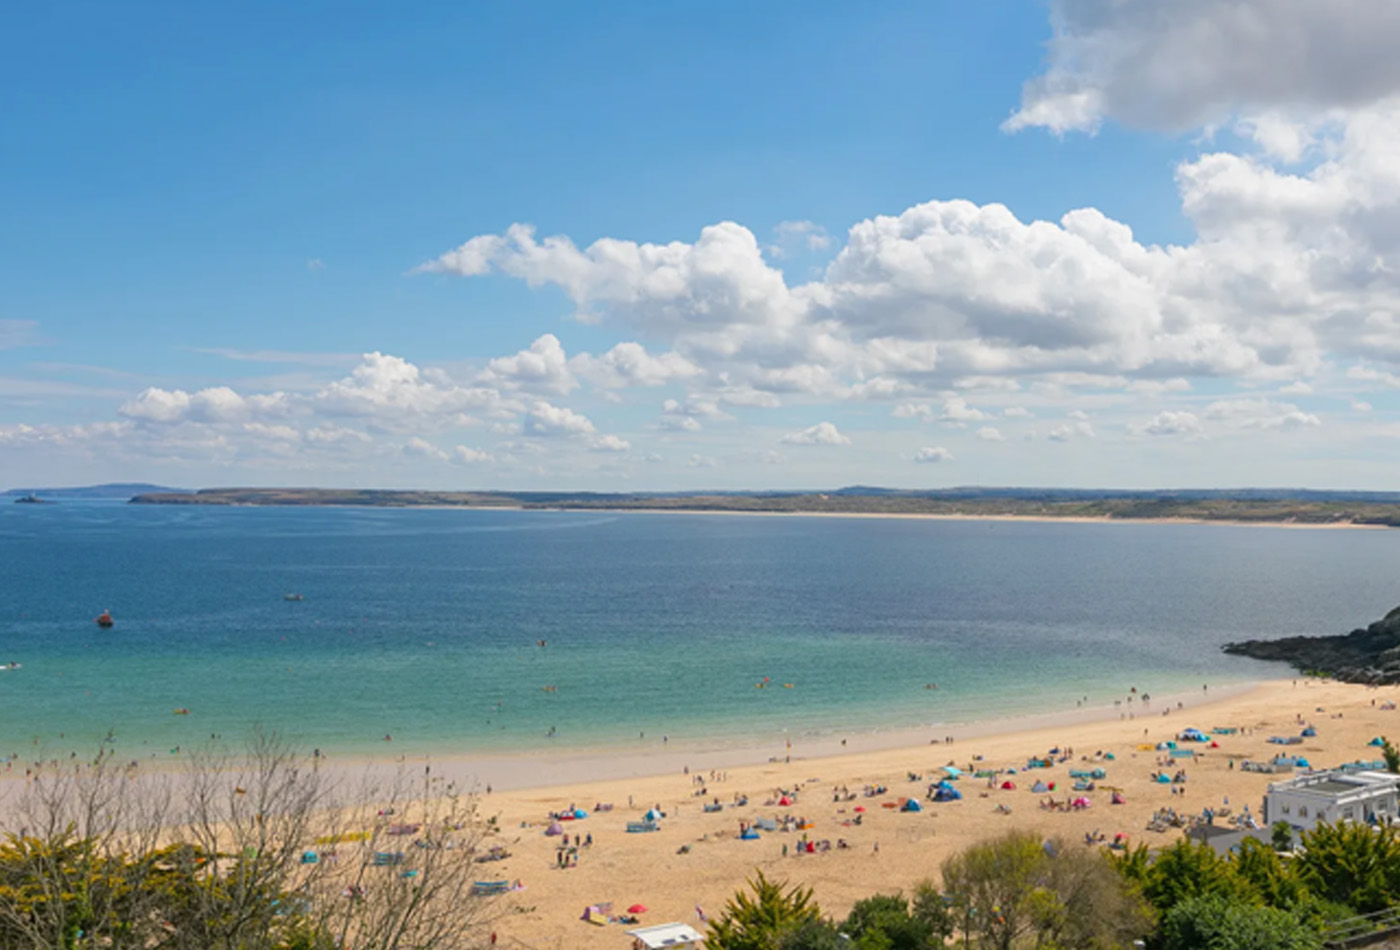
1366,655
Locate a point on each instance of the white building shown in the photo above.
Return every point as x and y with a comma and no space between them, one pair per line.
1336,796
670,936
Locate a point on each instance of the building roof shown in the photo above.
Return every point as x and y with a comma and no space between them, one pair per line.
1338,784
666,935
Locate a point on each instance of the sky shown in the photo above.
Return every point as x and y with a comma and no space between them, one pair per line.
641,246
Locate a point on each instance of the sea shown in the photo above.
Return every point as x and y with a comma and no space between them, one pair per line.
495,631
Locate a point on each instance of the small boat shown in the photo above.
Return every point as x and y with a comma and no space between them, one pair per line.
182,711
30,499
104,619
291,597
10,666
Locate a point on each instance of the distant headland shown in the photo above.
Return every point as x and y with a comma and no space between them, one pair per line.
1259,506
112,491
1368,654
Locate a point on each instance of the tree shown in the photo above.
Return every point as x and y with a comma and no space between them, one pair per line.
80,860
249,851
1185,870
887,922
934,908
1391,756
1273,879
763,921
1213,922
1010,889
814,935
1353,864
1084,903
1281,836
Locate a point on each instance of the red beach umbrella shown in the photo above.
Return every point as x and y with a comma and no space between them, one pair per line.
860,808
637,909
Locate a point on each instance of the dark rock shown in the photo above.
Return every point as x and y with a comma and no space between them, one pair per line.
1366,655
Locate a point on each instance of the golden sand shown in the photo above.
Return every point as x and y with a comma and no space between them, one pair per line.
627,869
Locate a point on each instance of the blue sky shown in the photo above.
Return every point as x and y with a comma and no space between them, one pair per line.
834,244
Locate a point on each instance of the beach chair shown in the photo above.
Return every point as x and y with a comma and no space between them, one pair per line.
384,859
486,888
639,827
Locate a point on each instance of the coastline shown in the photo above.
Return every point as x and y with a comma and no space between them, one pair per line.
696,859
538,770
879,515
934,516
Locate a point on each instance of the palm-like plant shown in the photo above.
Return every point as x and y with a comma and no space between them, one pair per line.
761,920
1353,864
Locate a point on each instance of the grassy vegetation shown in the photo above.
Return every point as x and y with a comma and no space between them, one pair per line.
1306,508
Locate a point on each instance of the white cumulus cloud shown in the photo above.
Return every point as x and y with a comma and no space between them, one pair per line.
1188,63
1170,423
932,454
543,367
823,433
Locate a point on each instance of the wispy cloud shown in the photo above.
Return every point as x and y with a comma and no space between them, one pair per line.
278,356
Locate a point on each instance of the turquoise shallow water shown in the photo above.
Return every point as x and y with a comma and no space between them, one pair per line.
423,624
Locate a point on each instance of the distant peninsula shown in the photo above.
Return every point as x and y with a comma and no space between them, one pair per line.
1366,655
113,491
1261,506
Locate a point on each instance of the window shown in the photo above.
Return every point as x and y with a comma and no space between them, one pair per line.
1287,808
1302,811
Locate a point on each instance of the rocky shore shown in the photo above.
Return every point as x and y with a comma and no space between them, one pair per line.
1366,655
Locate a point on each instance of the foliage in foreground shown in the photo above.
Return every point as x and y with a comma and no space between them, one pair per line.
1215,923
761,921
1011,891
255,851
1019,891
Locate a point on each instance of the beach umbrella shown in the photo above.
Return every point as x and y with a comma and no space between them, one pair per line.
1008,785
785,800
554,829
859,808
637,909
580,813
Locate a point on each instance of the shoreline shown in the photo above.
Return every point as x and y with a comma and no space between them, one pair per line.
938,516
895,515
536,770
849,797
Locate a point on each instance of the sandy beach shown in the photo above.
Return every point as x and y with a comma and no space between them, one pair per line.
697,858
1035,519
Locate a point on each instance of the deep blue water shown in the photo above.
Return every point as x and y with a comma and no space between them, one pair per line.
419,623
